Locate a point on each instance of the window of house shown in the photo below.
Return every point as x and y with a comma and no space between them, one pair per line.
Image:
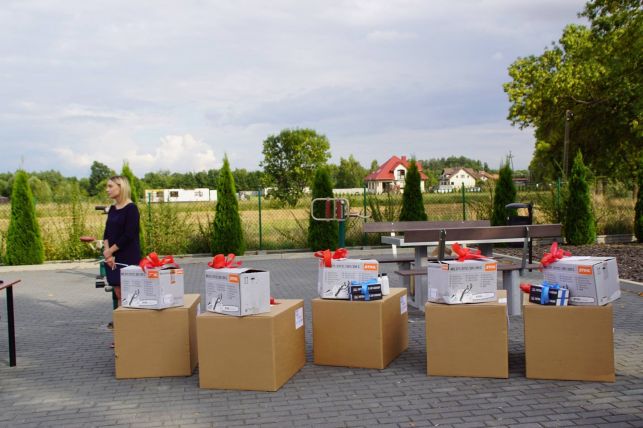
174,193
159,194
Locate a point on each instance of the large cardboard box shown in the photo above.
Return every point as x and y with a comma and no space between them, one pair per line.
334,282
257,352
591,281
237,291
468,340
569,342
360,334
151,288
469,281
151,343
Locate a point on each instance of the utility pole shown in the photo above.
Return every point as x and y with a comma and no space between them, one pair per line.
568,117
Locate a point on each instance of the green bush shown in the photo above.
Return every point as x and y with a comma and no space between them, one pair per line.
137,195
24,245
412,203
579,226
505,193
227,234
75,228
322,235
638,209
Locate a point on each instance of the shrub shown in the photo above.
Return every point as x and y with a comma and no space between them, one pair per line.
75,228
24,244
638,209
227,235
579,226
505,193
137,194
412,203
322,235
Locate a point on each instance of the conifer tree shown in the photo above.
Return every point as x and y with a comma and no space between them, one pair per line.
504,194
638,210
24,243
579,225
322,235
227,235
412,203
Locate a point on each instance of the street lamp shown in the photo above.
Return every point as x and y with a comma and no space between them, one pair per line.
568,117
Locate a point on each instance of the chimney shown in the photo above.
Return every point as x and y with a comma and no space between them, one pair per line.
403,158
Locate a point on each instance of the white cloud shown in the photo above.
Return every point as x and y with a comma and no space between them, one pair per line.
389,36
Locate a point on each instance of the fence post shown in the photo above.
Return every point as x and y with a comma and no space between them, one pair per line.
464,211
260,231
149,221
558,210
364,233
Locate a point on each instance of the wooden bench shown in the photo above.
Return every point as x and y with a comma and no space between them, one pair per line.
391,228
484,237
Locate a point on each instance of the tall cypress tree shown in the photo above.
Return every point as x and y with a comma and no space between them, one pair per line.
412,203
227,235
638,210
504,194
322,235
579,225
137,194
24,244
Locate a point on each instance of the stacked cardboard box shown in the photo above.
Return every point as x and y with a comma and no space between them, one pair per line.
360,334
456,282
569,342
256,352
155,288
467,340
334,282
152,343
237,291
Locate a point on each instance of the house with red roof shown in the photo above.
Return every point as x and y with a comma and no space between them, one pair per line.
391,176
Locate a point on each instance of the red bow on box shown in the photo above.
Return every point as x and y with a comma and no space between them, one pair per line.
152,261
327,256
553,255
220,261
466,253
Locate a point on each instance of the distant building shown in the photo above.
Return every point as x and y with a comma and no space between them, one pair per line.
391,176
180,195
453,178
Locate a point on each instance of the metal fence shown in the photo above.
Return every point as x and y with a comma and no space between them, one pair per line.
186,227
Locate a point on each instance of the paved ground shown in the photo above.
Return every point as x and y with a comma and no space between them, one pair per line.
65,372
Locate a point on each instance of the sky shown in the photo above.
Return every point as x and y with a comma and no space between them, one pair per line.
177,85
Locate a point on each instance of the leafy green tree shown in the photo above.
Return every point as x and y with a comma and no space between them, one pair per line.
40,190
99,173
505,193
24,244
374,166
350,173
579,226
412,203
134,183
638,209
593,73
290,161
227,234
322,235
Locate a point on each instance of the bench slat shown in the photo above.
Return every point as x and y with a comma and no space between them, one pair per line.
403,226
484,233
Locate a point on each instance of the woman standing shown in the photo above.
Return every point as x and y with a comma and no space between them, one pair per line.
121,245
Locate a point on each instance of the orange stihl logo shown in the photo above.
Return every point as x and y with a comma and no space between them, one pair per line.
585,270
152,274
233,278
490,267
370,266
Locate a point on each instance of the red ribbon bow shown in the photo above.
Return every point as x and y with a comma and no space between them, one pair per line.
466,253
152,261
327,256
553,255
220,261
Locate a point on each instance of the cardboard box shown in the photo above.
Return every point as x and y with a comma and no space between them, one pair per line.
569,342
360,334
150,343
591,281
151,288
237,291
334,282
257,352
470,281
467,340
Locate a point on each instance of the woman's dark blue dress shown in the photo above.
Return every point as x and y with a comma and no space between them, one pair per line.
123,229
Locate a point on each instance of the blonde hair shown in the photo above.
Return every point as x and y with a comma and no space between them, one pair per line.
123,183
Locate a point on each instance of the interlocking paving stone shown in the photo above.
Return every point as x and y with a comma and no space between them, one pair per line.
65,372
